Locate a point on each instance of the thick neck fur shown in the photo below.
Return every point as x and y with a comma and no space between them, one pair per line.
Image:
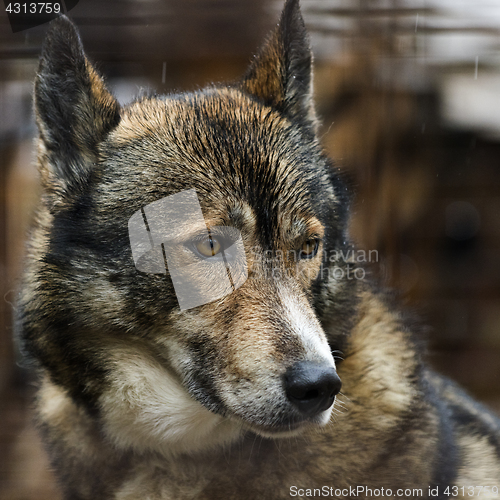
370,416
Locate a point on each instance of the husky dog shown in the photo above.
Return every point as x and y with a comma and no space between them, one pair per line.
160,381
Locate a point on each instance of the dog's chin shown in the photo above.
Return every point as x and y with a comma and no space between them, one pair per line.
291,428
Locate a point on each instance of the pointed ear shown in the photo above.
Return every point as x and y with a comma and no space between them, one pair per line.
74,110
281,74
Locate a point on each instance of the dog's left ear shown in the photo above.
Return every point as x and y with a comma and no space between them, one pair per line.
281,74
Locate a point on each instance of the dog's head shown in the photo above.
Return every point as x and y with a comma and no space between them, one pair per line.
260,208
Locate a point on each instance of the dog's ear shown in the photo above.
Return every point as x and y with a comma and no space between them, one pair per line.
281,74
74,110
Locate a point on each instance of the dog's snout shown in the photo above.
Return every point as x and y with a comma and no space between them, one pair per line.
312,387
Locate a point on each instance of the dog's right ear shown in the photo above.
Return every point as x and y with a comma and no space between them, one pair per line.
74,110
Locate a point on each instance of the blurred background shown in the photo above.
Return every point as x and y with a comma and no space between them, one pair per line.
409,95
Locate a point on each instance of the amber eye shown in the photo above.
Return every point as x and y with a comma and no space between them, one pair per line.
309,248
208,247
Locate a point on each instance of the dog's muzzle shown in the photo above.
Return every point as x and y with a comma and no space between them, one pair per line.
311,387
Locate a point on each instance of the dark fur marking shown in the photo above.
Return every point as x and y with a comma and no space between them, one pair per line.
464,418
447,459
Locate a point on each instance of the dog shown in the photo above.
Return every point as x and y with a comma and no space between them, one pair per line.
197,331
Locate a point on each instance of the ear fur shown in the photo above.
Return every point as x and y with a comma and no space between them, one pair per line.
281,74
74,110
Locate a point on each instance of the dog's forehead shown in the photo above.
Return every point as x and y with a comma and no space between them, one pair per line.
214,133
204,109
245,160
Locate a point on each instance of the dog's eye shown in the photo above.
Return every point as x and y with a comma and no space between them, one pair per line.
208,247
309,248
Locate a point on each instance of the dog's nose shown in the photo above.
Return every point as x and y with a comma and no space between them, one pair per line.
312,387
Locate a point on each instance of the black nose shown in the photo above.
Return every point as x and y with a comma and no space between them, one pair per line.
312,387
